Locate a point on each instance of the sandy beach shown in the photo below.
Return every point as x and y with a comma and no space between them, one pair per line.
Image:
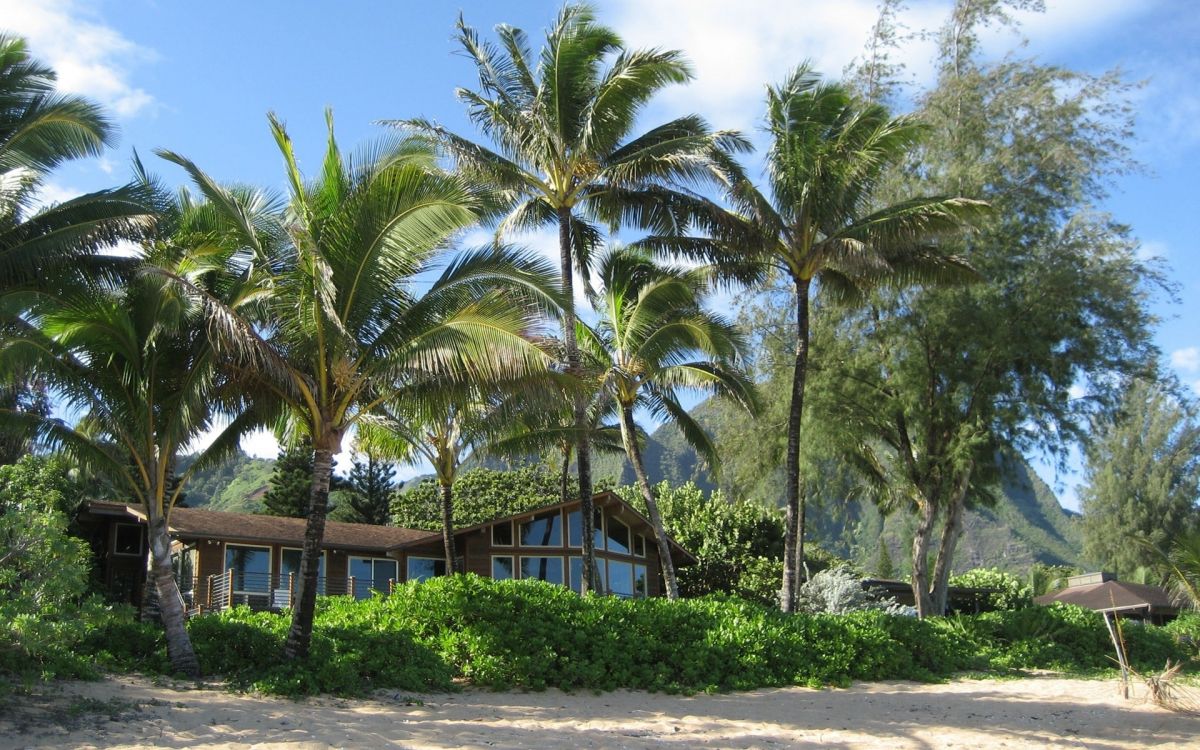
1042,712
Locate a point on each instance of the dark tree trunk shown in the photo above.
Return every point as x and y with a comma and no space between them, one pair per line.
170,603
927,513
564,478
583,446
452,566
300,635
629,435
148,604
793,532
951,533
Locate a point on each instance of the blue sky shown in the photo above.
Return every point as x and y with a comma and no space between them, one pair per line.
198,78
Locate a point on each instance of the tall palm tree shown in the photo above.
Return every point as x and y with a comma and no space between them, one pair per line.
135,360
657,339
567,157
40,130
821,221
342,327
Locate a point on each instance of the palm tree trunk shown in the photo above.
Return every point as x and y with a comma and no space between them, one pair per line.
300,636
170,603
564,478
920,560
793,533
951,533
448,529
629,435
582,446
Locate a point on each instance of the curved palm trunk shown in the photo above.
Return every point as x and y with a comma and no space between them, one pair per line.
447,491
583,444
300,635
629,435
170,603
793,540
564,477
951,533
920,561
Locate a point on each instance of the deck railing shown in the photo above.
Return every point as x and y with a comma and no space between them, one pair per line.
264,591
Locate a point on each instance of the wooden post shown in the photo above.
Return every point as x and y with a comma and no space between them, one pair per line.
208,597
391,586
229,589
351,592
291,588
1109,618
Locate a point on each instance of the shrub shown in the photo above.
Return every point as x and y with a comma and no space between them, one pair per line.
838,591
1011,592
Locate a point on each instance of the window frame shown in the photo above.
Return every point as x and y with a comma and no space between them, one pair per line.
409,558
512,534
270,568
562,568
512,566
562,531
322,568
597,529
639,540
373,558
141,539
629,536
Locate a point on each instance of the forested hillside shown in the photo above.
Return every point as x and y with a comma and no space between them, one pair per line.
236,485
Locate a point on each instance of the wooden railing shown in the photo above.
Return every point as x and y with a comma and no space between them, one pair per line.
262,591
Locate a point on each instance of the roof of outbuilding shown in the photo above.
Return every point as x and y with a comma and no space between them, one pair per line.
1112,596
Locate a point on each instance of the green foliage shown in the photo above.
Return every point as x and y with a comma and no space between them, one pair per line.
1185,629
738,544
368,490
1143,479
1012,592
479,496
230,485
291,482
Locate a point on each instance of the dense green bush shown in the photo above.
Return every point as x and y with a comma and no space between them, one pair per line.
1011,592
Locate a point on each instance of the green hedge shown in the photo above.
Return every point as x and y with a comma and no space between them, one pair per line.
534,635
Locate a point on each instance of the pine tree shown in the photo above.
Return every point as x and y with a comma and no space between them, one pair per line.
370,489
291,482
885,568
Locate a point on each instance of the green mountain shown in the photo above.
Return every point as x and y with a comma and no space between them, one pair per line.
236,485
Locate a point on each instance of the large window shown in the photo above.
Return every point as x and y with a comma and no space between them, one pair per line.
639,546
502,535
620,578
371,574
575,529
618,536
543,530
640,585
549,569
575,575
424,568
128,540
502,567
289,569
251,568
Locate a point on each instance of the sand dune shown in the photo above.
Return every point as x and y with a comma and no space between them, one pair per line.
1044,712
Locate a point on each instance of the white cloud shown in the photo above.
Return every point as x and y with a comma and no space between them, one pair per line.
90,58
1152,249
50,193
1186,359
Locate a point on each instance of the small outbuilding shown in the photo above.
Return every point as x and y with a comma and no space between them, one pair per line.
1102,592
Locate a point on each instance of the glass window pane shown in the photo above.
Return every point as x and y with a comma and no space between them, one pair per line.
602,574
128,539
385,572
289,561
424,568
575,529
544,530
639,545
502,534
576,573
502,568
549,569
620,578
618,536
251,567
640,587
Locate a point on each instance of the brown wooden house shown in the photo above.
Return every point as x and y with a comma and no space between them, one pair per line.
239,558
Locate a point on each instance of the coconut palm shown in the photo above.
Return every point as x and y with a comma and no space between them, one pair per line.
40,130
657,339
342,327
136,362
820,221
567,157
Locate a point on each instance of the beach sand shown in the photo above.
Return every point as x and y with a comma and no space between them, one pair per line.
1038,712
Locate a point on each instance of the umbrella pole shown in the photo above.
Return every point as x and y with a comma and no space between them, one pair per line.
1109,619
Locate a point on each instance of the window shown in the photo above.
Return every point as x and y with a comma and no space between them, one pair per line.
502,567
639,545
502,535
371,574
183,563
575,529
549,569
289,569
618,536
640,586
424,568
128,539
575,566
251,568
543,530
620,578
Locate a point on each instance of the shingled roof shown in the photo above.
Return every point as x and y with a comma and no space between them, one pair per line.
196,523
1113,596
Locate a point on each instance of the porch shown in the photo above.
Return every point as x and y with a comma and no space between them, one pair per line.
268,592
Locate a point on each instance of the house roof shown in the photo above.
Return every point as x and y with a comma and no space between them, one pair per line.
197,523
603,499
1113,596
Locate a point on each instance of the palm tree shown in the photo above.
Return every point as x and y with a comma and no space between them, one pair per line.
657,339
567,157
341,327
40,130
136,362
821,222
